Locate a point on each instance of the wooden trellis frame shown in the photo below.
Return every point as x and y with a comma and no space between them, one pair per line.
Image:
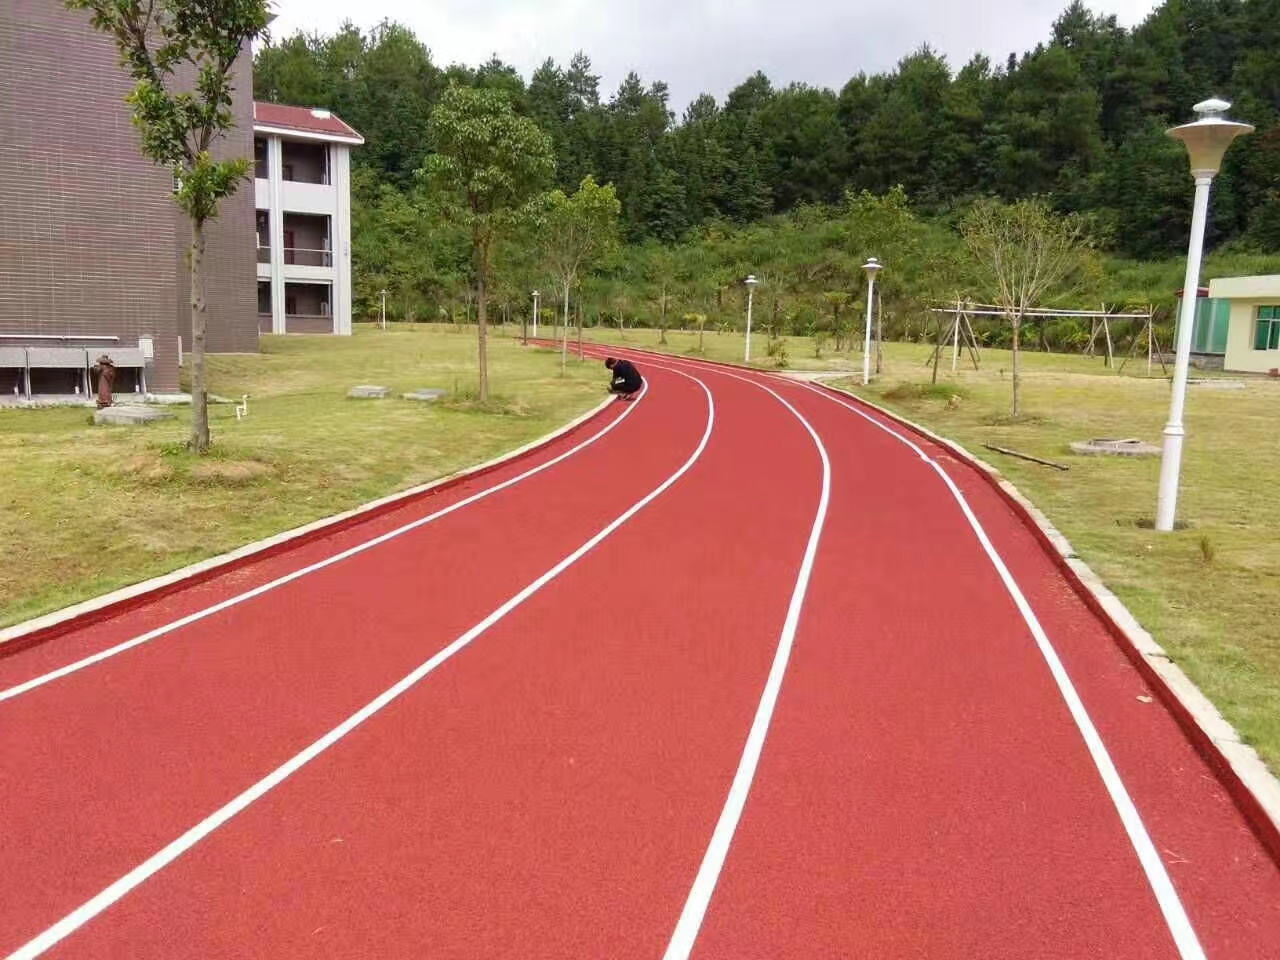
960,332
1101,320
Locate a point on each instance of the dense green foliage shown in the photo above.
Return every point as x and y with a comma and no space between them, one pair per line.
799,184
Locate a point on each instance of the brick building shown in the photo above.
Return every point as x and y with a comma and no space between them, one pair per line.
92,248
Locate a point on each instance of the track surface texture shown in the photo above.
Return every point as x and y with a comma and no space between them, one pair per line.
737,670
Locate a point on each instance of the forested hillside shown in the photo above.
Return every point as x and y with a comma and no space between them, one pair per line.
798,184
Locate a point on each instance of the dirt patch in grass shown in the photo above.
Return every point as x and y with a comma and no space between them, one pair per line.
947,393
468,401
994,419
232,473
148,467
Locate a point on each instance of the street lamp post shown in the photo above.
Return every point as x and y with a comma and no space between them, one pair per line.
535,314
751,282
872,267
1206,140
384,309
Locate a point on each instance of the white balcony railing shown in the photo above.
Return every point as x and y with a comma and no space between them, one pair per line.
299,256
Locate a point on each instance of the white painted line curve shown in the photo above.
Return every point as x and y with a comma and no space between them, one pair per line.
704,884
73,921
46,678
1171,907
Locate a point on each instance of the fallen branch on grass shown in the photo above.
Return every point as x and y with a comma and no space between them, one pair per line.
1026,456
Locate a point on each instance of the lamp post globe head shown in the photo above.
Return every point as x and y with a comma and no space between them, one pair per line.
535,293
872,267
1208,136
751,280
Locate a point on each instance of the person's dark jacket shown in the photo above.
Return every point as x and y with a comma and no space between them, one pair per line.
626,378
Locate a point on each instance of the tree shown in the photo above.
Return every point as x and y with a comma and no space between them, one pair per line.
659,268
698,320
490,166
808,149
1025,250
162,44
578,230
836,299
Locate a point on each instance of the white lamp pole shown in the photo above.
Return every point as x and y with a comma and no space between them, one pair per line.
535,314
384,309
1206,140
751,282
872,267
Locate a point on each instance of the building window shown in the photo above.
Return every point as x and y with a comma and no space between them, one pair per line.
260,168
1266,335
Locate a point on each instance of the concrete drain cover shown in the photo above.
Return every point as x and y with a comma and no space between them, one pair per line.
1116,448
1219,384
368,392
426,394
129,416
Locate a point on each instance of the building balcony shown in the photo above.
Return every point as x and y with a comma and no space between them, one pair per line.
306,257
299,257
300,162
299,323
308,307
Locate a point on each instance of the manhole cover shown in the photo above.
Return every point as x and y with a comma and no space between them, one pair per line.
426,395
368,391
1116,448
1219,384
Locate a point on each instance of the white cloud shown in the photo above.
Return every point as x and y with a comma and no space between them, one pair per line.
707,45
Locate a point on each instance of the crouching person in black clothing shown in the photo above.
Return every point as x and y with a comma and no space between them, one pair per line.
627,381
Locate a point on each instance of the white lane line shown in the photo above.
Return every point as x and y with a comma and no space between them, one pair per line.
158,861
704,884
1175,915
40,681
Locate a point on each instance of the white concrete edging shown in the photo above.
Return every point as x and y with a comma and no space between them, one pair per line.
1243,760
16,632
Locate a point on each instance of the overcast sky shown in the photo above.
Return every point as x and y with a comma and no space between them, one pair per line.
707,45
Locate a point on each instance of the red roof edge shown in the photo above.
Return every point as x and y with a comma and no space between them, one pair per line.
308,121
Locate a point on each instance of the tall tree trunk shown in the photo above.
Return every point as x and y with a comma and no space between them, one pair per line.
879,332
937,350
662,323
1017,363
482,276
199,318
564,343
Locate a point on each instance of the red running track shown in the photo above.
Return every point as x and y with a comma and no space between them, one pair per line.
551,787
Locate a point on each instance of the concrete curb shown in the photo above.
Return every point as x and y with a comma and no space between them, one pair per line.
41,629
1251,784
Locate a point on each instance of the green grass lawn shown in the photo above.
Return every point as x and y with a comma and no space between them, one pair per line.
87,509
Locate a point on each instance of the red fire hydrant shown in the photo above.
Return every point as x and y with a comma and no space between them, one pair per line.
106,377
